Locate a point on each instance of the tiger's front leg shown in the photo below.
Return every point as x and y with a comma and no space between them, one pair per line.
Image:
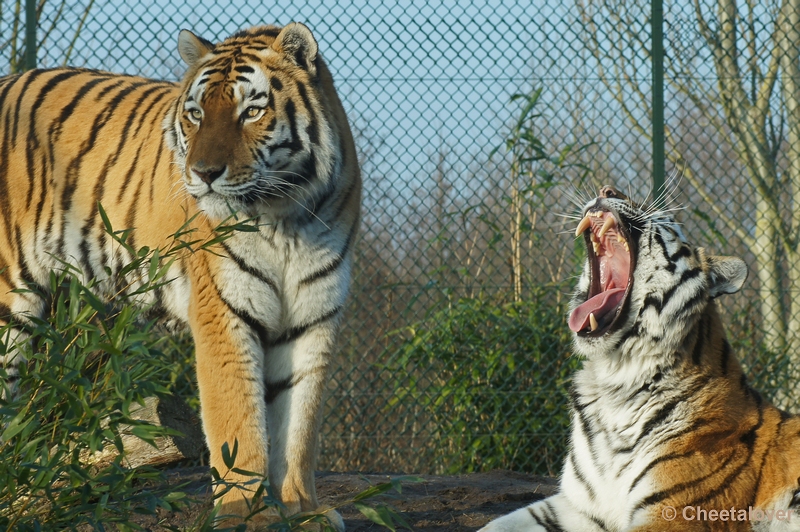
552,514
229,361
296,375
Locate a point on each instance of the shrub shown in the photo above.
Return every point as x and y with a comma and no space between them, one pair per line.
493,379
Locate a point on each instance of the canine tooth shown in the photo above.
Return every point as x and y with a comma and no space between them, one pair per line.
596,246
621,238
627,248
593,322
585,224
608,224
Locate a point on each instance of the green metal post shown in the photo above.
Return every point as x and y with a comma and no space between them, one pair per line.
30,34
657,21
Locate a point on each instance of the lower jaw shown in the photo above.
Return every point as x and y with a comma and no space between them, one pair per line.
219,207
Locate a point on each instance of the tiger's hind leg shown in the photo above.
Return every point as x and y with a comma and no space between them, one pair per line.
16,308
553,514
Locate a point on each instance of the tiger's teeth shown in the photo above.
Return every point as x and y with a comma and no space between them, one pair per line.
596,247
627,248
621,238
585,224
608,224
593,322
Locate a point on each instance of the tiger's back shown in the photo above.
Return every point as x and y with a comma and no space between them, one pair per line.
73,139
255,133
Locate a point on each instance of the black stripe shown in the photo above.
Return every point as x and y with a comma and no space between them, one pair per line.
242,265
581,477
33,141
312,130
26,81
664,412
5,196
725,482
128,177
54,132
7,83
24,269
684,252
550,518
156,167
144,113
332,266
293,142
660,241
685,276
294,333
130,218
101,119
659,496
599,522
651,300
245,317
699,344
725,355
273,390
547,523
653,463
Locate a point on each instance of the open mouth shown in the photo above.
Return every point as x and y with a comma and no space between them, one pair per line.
611,265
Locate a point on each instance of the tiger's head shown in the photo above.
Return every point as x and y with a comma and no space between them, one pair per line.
253,130
643,286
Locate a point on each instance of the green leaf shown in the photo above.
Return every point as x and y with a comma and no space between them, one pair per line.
380,515
372,491
228,457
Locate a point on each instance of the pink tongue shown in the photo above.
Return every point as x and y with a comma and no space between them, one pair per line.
599,305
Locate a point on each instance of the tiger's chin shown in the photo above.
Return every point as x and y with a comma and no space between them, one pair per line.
611,260
219,207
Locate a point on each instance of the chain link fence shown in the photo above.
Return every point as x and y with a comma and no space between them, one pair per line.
481,126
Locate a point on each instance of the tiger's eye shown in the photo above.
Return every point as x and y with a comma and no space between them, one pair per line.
196,114
252,112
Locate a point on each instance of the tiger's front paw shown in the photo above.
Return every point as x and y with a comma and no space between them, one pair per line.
237,512
335,519
232,513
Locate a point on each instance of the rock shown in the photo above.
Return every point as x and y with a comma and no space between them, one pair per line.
168,411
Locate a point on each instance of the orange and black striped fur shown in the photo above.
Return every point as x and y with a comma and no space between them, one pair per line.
255,130
662,415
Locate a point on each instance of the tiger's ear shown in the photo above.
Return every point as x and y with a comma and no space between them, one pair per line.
297,43
191,47
726,275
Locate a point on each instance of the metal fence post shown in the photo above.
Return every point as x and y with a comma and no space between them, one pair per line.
30,34
657,21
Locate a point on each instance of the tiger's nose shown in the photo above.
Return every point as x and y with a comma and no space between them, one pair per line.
208,174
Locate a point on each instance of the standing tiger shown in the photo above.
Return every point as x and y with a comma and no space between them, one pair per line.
256,131
664,423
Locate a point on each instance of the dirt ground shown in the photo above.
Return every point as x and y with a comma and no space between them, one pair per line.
457,503
442,503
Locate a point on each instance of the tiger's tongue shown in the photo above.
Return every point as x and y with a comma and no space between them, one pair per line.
614,273
599,305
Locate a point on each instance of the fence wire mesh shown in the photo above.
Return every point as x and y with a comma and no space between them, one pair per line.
479,125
